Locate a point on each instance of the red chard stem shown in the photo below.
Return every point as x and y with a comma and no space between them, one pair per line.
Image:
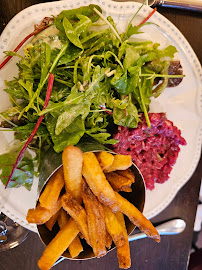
21,43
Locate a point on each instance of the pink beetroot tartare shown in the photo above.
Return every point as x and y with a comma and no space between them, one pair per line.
154,150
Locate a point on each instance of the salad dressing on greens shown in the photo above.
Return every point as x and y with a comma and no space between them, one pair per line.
102,80
49,36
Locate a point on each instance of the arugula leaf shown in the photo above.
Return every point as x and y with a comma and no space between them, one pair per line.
147,57
23,132
119,81
98,76
134,30
70,114
16,90
133,78
167,52
131,55
40,86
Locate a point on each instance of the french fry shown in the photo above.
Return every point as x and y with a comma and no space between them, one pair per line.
95,221
72,159
123,252
75,248
51,222
108,240
62,218
128,174
105,159
97,182
113,227
77,212
58,245
119,182
121,162
52,190
41,215
137,218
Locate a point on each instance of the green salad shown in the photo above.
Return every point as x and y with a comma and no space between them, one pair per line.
102,79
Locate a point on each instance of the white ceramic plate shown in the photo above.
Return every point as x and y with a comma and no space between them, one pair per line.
183,104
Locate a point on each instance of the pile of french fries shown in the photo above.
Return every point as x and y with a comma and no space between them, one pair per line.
91,207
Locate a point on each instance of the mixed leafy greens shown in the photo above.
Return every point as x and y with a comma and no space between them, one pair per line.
102,79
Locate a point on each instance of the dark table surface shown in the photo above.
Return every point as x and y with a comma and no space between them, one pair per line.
173,251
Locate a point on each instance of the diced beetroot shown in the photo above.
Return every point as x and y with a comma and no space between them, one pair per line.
154,150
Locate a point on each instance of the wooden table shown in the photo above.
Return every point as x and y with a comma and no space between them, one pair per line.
173,251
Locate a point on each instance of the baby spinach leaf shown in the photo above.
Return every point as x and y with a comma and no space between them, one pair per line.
71,14
82,26
71,33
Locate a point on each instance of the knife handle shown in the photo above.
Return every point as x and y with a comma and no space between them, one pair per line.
195,5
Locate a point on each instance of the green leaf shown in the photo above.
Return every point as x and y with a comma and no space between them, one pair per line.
134,30
133,79
82,26
45,52
119,81
147,57
14,89
131,56
93,35
88,143
11,53
27,129
71,15
161,87
71,33
102,138
40,86
23,175
69,136
70,55
167,52
121,104
127,117
98,76
70,114
12,111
